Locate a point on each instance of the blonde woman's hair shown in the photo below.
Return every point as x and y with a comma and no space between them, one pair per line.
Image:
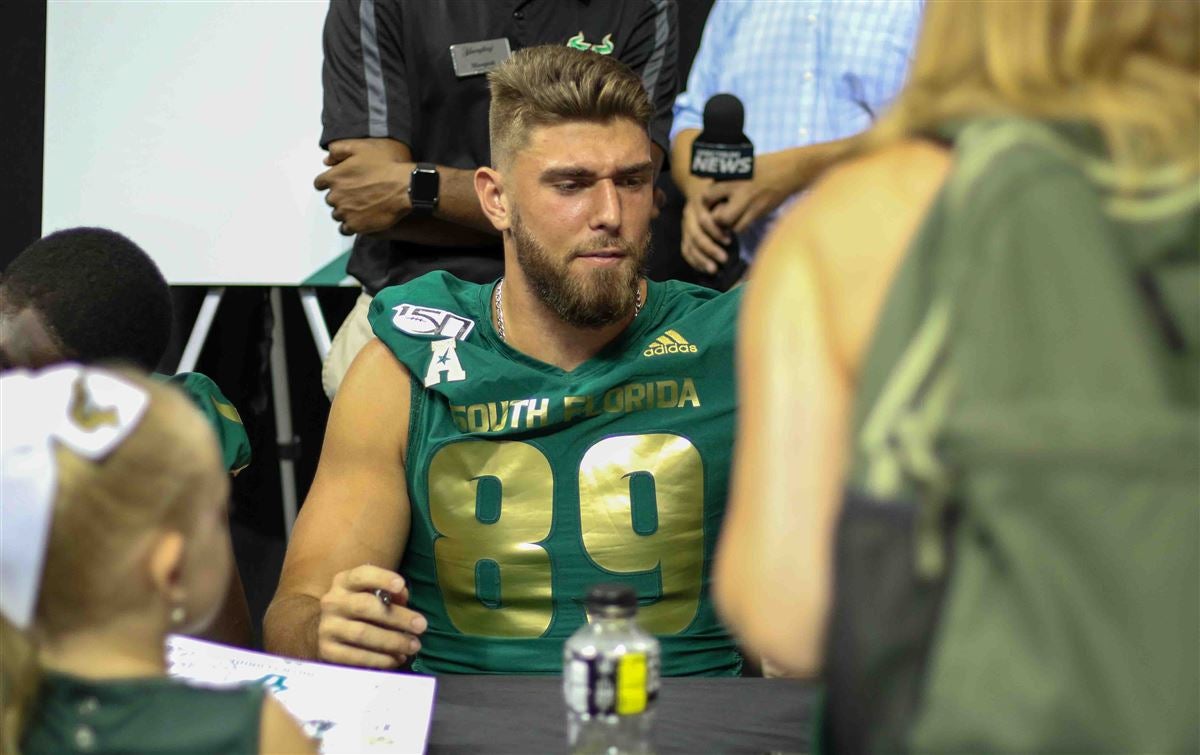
551,84
100,509
1129,67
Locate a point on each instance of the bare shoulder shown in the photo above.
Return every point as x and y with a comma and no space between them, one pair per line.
851,232
279,732
866,203
899,165
867,197
375,391
376,362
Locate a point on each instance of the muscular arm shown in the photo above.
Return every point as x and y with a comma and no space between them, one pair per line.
352,530
814,296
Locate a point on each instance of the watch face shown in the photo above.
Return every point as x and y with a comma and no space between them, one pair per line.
424,185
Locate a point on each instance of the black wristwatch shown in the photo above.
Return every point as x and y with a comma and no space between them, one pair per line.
423,189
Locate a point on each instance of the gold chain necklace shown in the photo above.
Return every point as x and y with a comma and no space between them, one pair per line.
498,299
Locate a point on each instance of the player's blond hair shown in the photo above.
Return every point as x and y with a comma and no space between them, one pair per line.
550,84
1129,67
151,480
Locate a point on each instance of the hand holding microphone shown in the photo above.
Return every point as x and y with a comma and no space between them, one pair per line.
721,152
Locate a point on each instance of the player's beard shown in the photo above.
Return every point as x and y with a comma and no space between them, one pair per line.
599,297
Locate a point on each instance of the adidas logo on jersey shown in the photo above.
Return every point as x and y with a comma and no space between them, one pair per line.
669,343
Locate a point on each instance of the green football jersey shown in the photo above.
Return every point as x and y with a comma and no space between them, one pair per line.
528,484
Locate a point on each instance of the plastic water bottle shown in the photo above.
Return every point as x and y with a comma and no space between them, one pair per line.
610,676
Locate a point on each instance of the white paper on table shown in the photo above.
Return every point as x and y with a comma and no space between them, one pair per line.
349,710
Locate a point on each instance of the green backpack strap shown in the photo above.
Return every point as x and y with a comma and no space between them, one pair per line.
899,436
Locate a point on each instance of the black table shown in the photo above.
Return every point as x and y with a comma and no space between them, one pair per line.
526,714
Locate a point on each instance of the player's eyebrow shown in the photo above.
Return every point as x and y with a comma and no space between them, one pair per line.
579,172
572,171
646,166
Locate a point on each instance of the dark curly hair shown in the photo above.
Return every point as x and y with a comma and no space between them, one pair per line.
100,294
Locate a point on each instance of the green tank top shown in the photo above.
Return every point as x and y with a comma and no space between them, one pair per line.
528,484
158,715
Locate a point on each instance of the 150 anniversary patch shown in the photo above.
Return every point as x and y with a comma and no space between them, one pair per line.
430,321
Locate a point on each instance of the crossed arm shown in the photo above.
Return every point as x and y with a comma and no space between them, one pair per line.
367,182
352,531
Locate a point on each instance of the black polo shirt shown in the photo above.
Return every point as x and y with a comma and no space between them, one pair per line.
388,73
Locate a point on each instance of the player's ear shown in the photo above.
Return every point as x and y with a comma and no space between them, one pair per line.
489,187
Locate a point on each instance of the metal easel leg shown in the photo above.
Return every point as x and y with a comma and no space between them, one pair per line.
316,321
285,438
204,321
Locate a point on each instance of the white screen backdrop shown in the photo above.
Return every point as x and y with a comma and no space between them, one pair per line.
191,126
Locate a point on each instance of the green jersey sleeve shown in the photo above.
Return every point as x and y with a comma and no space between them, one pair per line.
221,414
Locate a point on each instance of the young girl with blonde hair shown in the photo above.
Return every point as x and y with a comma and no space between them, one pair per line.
112,517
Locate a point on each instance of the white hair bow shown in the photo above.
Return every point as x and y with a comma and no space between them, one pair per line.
89,411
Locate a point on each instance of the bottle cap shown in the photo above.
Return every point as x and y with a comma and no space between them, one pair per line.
610,599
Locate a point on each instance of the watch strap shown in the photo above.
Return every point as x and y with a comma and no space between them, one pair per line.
424,201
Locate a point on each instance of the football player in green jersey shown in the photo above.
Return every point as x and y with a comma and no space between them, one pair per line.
505,446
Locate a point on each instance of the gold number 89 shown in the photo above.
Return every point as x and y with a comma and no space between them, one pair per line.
507,550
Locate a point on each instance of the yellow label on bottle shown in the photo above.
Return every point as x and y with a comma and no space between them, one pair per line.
631,684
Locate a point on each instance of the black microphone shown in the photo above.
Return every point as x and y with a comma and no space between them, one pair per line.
723,153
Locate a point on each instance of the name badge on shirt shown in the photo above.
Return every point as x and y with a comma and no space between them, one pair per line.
475,58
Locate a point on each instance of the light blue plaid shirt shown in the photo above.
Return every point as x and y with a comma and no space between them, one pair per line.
807,71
